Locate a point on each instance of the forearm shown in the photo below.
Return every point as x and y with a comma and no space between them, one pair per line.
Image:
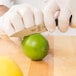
3,9
5,5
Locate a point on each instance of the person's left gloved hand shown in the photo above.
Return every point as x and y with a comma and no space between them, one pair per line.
66,8
20,17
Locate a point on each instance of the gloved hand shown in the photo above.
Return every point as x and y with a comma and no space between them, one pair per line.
63,7
73,12
20,17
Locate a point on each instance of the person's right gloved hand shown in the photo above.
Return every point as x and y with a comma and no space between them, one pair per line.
20,17
61,6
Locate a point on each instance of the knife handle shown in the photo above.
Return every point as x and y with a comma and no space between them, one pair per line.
28,31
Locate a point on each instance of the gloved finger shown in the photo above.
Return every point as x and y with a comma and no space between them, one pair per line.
56,17
64,17
5,25
16,21
49,22
56,14
73,21
38,16
49,18
27,16
73,11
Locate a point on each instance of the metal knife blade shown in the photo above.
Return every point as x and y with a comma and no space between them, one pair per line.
29,31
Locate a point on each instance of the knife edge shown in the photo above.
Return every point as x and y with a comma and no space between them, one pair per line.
28,31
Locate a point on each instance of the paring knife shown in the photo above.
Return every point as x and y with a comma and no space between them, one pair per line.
29,31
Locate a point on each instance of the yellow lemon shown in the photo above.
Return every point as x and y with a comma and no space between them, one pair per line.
9,68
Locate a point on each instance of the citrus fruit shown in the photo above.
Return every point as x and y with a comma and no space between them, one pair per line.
9,68
35,46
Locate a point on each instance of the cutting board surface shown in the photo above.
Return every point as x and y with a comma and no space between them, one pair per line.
60,61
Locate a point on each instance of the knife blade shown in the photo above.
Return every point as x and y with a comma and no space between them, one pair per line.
28,31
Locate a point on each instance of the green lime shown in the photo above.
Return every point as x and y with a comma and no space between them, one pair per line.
35,46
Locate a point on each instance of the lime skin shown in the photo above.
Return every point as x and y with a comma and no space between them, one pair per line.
35,46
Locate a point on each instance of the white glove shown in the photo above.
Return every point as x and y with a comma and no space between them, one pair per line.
73,12
7,3
20,17
53,6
